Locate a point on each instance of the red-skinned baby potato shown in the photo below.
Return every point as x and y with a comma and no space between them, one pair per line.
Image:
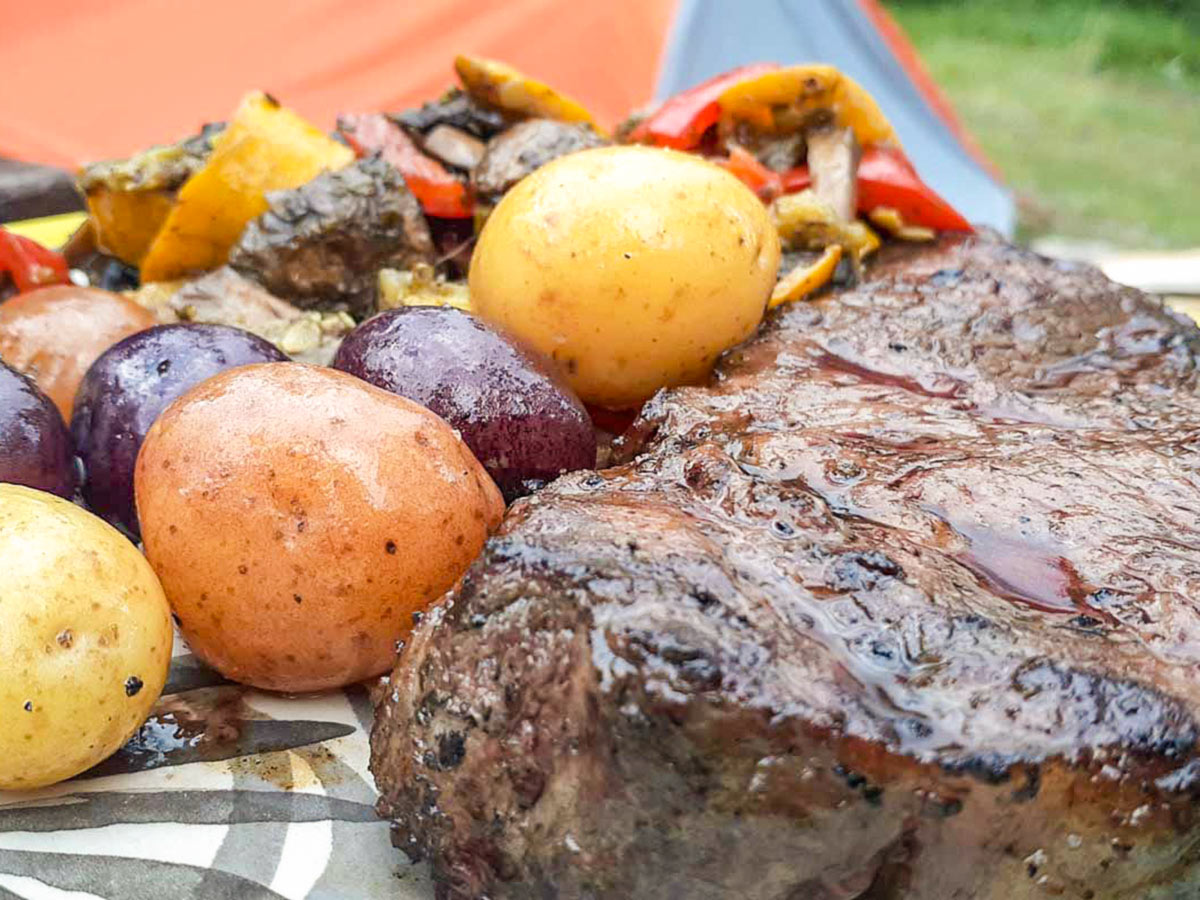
54,334
297,518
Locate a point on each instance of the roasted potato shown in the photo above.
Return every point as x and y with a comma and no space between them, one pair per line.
55,333
298,517
632,267
85,639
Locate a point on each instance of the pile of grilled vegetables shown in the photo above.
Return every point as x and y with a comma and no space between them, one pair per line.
268,223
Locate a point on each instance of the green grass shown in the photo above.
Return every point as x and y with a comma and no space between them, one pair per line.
1091,110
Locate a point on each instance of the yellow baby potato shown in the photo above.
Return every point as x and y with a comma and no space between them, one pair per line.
85,639
632,267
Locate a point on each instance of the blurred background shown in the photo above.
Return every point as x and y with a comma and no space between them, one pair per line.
1073,124
1090,108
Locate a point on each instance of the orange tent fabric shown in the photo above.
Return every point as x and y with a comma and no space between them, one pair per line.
92,79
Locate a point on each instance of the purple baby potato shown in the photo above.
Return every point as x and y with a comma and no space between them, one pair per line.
35,446
514,412
127,388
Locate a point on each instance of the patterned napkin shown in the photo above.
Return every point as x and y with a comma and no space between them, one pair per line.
226,793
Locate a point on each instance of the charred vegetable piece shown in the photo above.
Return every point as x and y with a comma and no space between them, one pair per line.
805,221
523,148
786,100
168,166
833,155
454,146
439,191
887,179
265,148
223,297
420,287
320,245
458,109
890,220
681,121
117,276
804,279
778,152
29,264
129,199
503,87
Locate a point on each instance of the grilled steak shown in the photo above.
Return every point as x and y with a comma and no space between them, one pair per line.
322,244
901,605
513,154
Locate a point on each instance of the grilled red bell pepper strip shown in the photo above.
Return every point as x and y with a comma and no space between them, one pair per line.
438,191
763,181
29,264
682,120
796,179
887,178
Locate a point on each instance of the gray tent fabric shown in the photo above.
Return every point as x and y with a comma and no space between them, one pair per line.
711,36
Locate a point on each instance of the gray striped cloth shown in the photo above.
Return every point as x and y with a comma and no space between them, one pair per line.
226,792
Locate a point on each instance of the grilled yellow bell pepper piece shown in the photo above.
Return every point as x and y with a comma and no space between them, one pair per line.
265,148
804,280
804,221
892,222
129,199
499,85
127,221
782,101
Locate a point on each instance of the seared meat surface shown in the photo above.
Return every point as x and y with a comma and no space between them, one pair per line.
901,605
514,153
322,245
